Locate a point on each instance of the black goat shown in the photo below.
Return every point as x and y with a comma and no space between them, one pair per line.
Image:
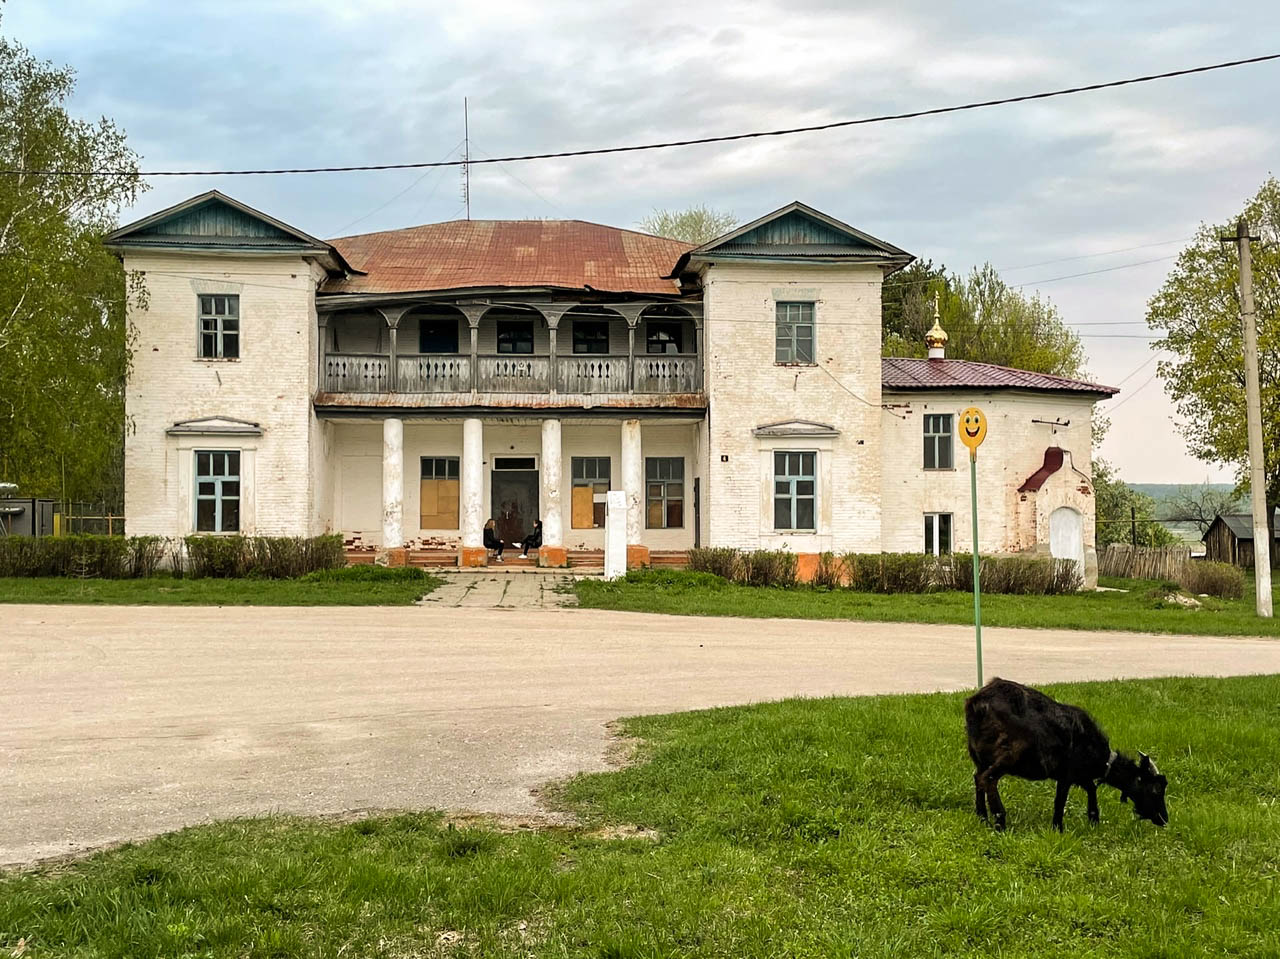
1015,730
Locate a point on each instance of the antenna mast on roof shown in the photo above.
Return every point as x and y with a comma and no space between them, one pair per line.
466,159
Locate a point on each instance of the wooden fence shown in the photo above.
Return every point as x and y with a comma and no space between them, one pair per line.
1144,562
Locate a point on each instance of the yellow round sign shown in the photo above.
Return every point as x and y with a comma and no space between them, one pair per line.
973,429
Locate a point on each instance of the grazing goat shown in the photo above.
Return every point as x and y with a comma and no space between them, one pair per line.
1015,730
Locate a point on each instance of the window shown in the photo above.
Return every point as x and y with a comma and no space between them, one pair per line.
515,336
219,326
590,483
795,333
795,482
438,496
437,335
937,533
217,491
664,337
938,444
664,492
591,336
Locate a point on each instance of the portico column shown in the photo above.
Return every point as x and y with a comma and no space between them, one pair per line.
633,486
553,552
473,551
393,491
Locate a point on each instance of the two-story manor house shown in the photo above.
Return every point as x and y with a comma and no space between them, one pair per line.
405,387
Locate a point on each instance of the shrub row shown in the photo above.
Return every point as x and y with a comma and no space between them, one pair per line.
762,567
119,557
1213,579
893,572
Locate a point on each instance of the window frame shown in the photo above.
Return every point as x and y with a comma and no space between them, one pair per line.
510,327
211,323
218,497
577,466
938,442
786,346
587,333
439,323
933,534
452,472
674,329
793,496
664,499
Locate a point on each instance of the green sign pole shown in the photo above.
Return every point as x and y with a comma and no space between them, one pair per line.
977,565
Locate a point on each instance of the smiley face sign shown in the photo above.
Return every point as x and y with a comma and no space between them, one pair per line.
973,429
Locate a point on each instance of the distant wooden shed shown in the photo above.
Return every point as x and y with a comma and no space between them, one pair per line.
1230,539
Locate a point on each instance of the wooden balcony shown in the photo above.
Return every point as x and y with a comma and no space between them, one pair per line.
419,373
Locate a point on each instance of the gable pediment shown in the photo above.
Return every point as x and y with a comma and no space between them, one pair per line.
796,428
799,232
214,221
215,426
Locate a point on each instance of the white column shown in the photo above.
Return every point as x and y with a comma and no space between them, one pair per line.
633,479
392,483
552,524
472,484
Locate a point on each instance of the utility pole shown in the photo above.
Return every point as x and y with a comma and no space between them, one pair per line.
466,158
1253,413
1133,525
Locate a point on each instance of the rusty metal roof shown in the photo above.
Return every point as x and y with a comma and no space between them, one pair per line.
912,373
462,254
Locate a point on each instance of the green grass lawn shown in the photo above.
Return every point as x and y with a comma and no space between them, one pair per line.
1141,608
354,586
835,827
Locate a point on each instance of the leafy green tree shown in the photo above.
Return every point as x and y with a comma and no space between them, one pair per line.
987,320
64,345
1122,511
1198,312
697,224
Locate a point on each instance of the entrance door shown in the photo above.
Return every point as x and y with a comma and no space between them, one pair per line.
1066,535
515,503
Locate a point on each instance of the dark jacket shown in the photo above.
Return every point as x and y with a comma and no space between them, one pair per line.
491,541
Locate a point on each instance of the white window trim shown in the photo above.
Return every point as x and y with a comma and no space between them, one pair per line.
185,481
931,521
813,325
824,446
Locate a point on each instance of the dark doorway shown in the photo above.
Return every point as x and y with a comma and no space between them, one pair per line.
515,503
697,513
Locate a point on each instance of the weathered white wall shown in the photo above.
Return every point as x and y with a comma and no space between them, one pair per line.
356,472
271,384
746,389
1013,450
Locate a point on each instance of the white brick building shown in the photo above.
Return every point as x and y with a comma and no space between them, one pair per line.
402,387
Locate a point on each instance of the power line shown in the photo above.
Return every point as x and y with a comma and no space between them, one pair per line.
1109,269
635,148
1090,256
361,219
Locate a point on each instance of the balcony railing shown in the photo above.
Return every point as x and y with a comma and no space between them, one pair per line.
508,373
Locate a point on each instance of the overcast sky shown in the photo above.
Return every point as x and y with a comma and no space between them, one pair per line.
200,85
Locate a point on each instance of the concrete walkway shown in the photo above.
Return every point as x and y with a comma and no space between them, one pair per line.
122,722
490,589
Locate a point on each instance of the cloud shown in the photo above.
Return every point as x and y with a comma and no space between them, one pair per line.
317,82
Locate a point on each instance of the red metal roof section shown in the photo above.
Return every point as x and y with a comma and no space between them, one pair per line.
1052,463
911,373
461,254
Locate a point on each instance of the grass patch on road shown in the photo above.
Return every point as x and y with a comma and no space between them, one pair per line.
1142,606
352,586
834,827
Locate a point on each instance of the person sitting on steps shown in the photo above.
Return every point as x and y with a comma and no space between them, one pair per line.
532,541
491,540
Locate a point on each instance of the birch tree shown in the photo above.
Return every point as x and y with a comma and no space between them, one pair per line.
64,347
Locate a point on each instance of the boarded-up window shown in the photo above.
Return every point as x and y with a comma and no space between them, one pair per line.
438,499
590,484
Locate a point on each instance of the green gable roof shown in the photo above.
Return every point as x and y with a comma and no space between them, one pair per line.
214,221
797,232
